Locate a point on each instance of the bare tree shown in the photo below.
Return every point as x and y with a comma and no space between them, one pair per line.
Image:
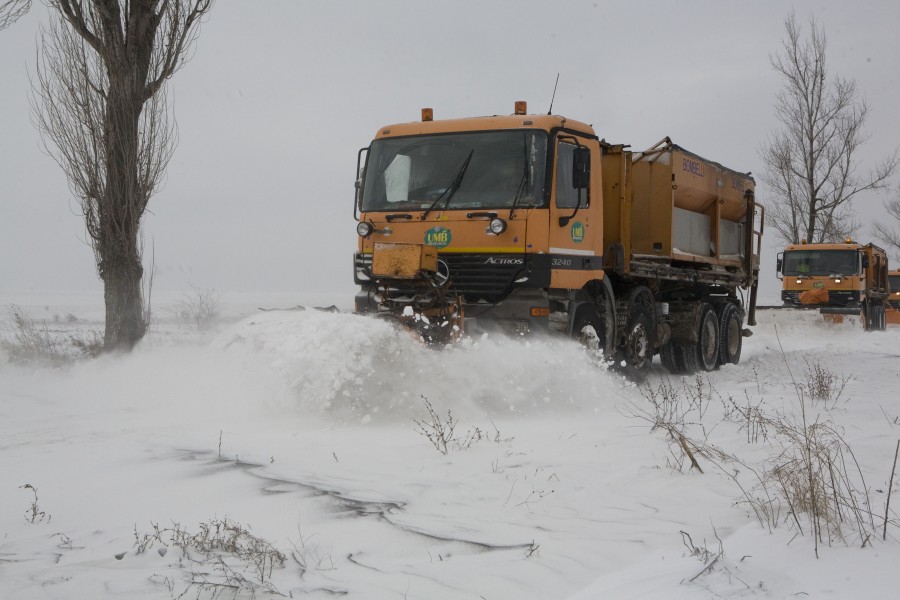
811,164
100,104
11,11
886,233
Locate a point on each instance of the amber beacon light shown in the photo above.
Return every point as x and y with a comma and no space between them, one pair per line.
521,107
427,114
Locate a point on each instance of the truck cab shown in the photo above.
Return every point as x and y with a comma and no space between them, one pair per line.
837,278
512,205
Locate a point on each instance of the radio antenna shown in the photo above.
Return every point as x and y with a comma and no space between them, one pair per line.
554,95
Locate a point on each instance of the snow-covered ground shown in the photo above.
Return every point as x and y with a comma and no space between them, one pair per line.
305,432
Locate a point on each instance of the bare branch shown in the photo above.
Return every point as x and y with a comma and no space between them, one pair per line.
889,234
12,10
811,165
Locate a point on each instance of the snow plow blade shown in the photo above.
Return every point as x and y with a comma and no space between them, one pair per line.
413,290
840,310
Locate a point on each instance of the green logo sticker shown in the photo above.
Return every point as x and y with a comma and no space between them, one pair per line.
439,237
577,232
819,284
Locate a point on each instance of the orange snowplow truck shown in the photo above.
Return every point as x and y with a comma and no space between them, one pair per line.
531,223
892,314
837,279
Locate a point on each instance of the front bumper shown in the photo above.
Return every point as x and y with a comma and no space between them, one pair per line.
841,299
522,312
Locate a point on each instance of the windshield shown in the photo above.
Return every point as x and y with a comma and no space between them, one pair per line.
457,171
821,262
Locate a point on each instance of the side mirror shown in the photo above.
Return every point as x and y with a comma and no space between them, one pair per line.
778,265
360,177
581,168
865,261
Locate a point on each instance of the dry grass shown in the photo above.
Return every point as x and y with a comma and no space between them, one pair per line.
224,557
675,409
823,385
810,479
441,432
34,514
35,342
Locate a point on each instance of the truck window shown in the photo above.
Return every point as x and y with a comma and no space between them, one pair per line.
502,169
566,193
821,262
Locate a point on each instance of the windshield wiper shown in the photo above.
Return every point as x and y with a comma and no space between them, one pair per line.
522,186
447,194
523,183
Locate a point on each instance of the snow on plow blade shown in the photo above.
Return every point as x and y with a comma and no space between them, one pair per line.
413,289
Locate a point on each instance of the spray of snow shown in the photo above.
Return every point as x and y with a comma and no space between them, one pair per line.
351,366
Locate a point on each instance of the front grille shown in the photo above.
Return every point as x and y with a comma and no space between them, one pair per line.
488,277
482,277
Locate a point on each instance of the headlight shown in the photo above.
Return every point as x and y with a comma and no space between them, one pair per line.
798,281
364,228
837,279
497,226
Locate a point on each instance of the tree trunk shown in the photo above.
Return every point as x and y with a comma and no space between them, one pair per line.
121,277
120,257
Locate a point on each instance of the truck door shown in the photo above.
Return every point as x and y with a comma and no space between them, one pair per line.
576,233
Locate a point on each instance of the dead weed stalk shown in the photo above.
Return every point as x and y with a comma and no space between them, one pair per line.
441,432
240,561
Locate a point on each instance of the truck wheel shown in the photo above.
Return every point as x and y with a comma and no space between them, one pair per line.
869,316
640,330
707,347
586,316
638,348
672,355
730,335
597,311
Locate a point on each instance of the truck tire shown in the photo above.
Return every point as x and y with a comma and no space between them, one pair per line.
640,330
595,309
730,334
586,315
638,349
707,347
873,316
672,356
683,357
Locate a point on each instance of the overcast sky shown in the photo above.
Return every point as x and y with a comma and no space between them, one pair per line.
281,94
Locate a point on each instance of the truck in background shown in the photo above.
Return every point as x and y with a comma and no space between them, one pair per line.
837,279
531,223
892,315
